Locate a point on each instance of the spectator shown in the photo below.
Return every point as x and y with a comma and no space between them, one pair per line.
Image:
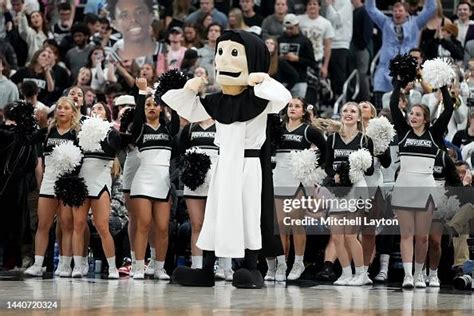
206,7
204,22
251,18
63,26
34,32
320,32
420,85
123,73
60,73
400,34
465,136
361,43
207,88
84,78
89,96
95,62
13,35
297,49
236,20
279,68
433,28
29,91
192,38
8,90
147,71
76,57
39,70
7,50
94,6
177,13
272,25
53,12
104,37
445,44
93,23
339,12
176,50
464,24
190,62
207,52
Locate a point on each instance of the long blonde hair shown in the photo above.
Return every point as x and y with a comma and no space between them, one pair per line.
360,124
75,122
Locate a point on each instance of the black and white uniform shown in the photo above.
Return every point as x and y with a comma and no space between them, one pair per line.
415,185
96,166
339,152
53,138
152,179
301,138
194,136
132,162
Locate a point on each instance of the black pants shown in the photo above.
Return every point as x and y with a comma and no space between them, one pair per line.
338,69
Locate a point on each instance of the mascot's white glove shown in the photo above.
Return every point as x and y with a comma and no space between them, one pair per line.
256,78
195,84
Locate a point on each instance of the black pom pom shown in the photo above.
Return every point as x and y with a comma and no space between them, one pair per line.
71,189
344,186
172,79
403,69
195,166
23,115
126,119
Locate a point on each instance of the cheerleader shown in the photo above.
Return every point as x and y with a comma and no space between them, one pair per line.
296,135
340,145
444,173
374,183
96,170
201,135
151,184
63,129
414,207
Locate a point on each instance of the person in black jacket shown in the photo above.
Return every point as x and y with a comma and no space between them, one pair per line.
445,44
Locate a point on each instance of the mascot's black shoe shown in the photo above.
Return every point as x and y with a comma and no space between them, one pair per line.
193,277
247,279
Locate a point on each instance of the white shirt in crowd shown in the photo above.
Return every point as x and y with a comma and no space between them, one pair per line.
340,14
317,30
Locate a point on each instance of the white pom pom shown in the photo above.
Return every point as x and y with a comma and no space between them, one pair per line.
305,167
93,131
65,158
381,132
359,162
438,73
447,206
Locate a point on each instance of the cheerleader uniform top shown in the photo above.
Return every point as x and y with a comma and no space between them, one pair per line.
338,151
418,153
193,135
54,138
300,138
108,147
154,145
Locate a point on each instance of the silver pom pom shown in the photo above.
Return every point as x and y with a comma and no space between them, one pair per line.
305,167
438,73
359,162
447,206
65,158
93,131
381,131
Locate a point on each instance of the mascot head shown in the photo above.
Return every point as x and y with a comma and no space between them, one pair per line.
239,53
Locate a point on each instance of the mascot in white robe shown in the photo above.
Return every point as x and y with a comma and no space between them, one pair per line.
239,211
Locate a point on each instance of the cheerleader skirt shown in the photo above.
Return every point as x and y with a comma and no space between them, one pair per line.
132,162
415,187
284,182
352,201
47,183
375,180
202,191
152,179
97,174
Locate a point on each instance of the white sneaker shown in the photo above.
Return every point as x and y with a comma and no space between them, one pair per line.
229,275
381,277
139,274
85,268
35,271
132,268
161,274
420,281
150,269
77,272
407,282
113,274
270,276
280,274
343,280
219,275
360,279
66,272
296,271
433,281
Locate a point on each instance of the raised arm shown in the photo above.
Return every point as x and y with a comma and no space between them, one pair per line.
269,89
139,117
426,14
401,125
441,125
370,147
375,14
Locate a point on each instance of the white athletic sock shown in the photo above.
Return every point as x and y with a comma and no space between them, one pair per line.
434,272
408,267
132,253
225,263
152,253
196,262
347,271
384,260
366,268
111,262
299,259
160,264
78,261
139,264
271,264
281,259
40,259
67,261
419,267
84,260
360,270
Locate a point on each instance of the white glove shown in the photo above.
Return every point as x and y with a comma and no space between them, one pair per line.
195,84
256,78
